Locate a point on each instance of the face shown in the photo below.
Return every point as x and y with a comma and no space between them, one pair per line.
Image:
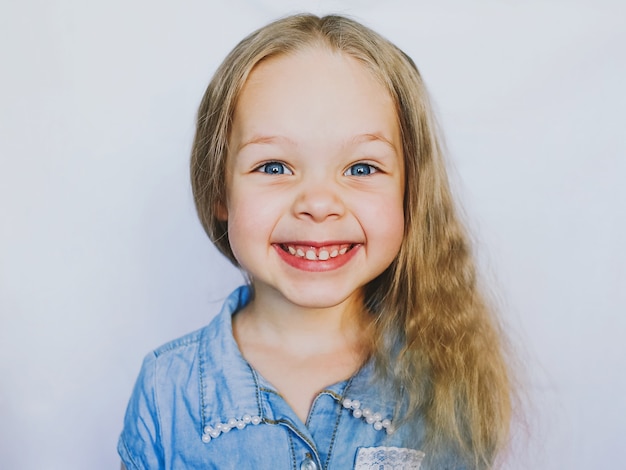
315,179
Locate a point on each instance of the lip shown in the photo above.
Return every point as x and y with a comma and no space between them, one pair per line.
305,264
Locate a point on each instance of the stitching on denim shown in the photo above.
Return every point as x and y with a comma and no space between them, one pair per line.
332,439
335,395
213,430
201,372
293,451
312,410
183,342
287,424
339,399
269,390
283,422
314,404
258,392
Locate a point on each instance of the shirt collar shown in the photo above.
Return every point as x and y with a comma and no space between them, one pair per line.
231,389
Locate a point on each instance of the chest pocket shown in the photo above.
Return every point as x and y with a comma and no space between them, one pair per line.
387,458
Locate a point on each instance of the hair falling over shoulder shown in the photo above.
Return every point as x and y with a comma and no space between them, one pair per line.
437,341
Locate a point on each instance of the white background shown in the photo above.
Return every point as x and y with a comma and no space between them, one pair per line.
102,258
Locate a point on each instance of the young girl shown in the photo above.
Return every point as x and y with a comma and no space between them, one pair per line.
362,340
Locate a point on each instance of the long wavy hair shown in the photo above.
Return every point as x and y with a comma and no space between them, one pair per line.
436,340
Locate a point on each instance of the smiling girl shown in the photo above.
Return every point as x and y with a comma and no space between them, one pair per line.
362,340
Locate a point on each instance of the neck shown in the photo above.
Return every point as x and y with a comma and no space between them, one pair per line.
305,331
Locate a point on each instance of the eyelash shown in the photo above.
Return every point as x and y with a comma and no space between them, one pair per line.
370,169
265,168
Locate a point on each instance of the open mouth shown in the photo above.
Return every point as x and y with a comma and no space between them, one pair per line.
313,253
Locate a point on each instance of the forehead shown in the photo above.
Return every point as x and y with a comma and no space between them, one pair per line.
314,90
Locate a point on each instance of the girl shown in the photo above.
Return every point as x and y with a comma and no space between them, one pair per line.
362,340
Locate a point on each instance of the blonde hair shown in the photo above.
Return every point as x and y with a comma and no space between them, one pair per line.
436,340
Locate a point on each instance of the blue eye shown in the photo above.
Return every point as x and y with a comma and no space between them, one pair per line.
274,168
360,169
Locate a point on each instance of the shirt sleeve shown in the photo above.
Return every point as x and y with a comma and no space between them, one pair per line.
139,445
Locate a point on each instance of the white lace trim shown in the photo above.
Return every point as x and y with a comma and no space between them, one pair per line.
388,458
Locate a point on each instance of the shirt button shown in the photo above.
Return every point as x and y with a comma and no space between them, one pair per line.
308,464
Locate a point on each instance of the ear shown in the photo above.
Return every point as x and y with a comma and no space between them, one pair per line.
221,212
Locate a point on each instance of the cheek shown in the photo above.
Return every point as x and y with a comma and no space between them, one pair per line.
388,210
251,218
383,220
393,225
243,235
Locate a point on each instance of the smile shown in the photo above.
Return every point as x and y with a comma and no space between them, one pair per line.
313,253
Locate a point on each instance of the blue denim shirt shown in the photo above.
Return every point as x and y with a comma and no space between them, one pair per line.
198,404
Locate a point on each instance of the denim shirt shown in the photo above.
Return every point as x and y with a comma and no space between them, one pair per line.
197,403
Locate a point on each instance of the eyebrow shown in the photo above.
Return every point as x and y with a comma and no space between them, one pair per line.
262,139
372,137
266,139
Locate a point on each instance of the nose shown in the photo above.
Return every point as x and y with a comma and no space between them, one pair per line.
318,201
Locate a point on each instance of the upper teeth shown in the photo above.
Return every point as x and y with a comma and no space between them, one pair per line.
314,254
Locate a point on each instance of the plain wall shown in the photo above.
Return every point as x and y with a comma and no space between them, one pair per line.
102,257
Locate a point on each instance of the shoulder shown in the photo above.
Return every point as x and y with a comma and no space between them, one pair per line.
167,362
177,345
179,349
177,384
163,370
207,340
175,369
145,435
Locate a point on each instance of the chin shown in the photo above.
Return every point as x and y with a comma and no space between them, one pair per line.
320,299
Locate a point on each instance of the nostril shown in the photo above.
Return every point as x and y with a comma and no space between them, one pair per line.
318,204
